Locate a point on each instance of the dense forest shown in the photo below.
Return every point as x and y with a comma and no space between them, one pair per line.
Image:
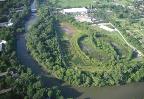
16,81
48,47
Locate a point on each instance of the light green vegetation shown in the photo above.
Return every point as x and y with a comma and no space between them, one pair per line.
128,19
81,54
93,49
134,32
73,3
124,2
87,3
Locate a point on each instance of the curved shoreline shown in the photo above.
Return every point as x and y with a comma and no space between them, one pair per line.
129,91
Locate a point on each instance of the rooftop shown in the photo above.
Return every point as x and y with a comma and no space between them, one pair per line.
75,10
6,24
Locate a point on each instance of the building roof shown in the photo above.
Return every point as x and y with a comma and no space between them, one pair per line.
6,24
74,10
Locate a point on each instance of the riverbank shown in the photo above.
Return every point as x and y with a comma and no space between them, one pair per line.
129,91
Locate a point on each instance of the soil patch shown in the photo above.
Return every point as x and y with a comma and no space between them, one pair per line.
68,29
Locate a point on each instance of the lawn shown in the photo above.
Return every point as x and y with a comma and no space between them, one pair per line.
73,3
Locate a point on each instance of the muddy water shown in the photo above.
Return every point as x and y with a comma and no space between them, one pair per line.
130,91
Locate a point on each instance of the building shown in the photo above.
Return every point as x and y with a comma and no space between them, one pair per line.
1,44
19,9
6,24
33,10
9,23
75,11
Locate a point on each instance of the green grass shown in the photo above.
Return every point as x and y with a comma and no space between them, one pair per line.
134,33
73,3
96,58
88,46
82,3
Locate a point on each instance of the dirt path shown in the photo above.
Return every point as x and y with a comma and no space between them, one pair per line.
131,46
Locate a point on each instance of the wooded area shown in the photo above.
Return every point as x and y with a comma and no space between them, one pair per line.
47,46
21,81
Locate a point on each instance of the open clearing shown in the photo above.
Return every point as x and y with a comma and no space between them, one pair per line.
73,3
68,29
89,50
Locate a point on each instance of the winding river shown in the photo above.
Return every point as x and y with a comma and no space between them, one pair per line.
129,91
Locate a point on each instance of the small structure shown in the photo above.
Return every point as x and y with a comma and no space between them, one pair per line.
97,21
75,11
9,23
6,24
33,10
19,9
1,44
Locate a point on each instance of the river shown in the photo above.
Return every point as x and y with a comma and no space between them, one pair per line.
129,91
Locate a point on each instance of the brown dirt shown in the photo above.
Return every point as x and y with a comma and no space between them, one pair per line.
68,29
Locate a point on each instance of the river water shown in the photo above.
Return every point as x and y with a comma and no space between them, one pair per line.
129,91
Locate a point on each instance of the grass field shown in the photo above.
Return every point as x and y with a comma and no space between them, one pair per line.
93,53
83,3
73,3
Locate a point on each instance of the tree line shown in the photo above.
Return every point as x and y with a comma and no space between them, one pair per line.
22,82
44,47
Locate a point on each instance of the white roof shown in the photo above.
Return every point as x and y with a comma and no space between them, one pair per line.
74,10
3,42
10,24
